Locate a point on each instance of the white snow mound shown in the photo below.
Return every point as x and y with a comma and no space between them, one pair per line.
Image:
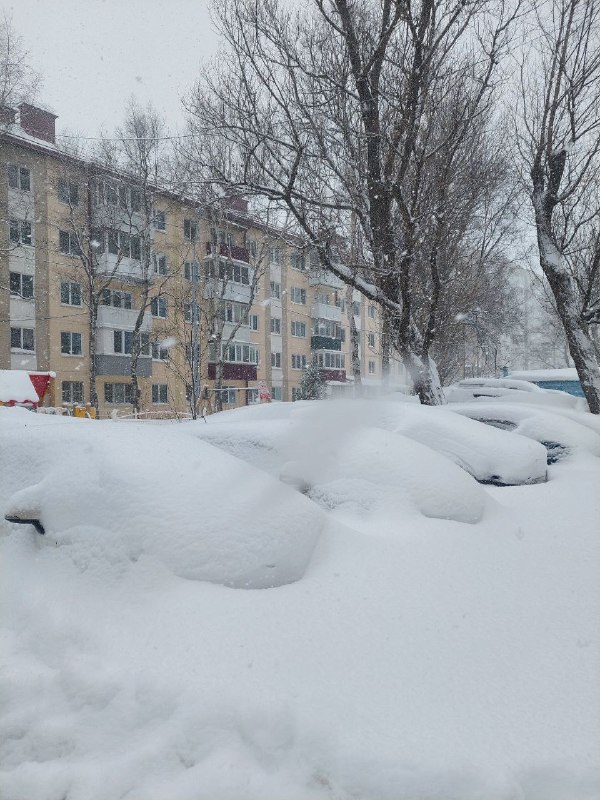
109,490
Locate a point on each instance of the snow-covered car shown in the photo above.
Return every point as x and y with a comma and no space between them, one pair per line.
292,434
123,492
509,390
560,431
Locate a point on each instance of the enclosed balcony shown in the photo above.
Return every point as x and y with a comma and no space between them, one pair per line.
232,251
321,277
326,311
111,317
325,343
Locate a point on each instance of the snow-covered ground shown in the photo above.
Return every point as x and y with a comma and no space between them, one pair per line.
425,636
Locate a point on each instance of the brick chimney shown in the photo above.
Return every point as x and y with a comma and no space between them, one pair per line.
237,203
38,122
7,115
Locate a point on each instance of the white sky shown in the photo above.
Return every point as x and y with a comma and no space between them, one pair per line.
94,54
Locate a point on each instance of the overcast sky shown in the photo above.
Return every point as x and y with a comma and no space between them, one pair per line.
94,54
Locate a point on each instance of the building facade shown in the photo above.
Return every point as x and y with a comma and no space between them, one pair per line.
221,305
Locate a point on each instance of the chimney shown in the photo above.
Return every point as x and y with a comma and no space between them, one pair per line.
38,122
7,115
237,203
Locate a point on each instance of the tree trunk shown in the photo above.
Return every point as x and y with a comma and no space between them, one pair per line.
93,331
581,346
354,343
425,378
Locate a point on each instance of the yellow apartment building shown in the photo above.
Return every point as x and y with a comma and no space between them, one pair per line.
72,230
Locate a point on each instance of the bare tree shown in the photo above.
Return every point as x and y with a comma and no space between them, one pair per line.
559,129
135,155
83,237
19,82
355,112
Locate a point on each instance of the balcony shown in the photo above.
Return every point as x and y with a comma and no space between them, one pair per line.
121,365
334,375
125,269
122,318
319,277
325,343
234,252
326,311
233,371
216,289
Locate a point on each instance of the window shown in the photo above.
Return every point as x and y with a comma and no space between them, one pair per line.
22,339
21,285
276,393
275,325
70,293
70,344
235,313
298,295
136,199
158,307
116,299
118,393
159,353
253,322
68,244
298,362
276,360
275,290
72,392
297,260
234,272
121,243
275,256
20,231
296,393
356,308
371,339
229,395
190,230
326,327
253,248
371,367
371,311
160,265
331,360
68,192
160,393
19,178
160,221
191,270
323,298
298,328
123,342
239,353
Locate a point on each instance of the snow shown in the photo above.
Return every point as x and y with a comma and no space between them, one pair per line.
15,385
566,374
540,425
414,657
510,391
175,521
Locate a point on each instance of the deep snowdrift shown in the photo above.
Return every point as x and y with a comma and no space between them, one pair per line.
417,657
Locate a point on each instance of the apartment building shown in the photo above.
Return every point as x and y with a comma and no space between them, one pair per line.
226,301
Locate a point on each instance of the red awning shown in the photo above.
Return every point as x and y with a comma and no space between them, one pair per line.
40,381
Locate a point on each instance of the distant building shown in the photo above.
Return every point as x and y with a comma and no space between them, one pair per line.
47,197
